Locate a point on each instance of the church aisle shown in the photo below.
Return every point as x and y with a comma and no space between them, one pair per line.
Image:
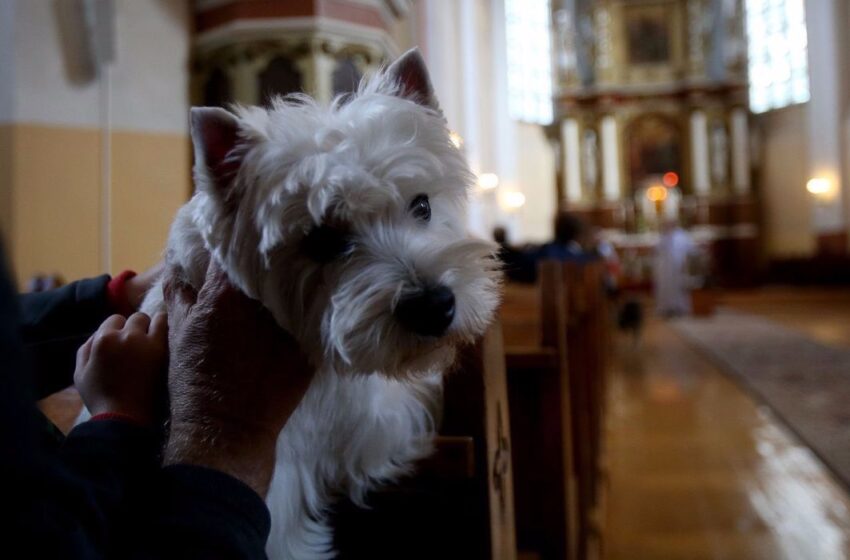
822,313
700,471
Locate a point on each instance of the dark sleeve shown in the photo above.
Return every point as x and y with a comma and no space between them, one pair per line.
59,506
54,324
78,502
103,495
201,513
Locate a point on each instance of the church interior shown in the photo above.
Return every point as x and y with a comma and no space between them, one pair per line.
668,182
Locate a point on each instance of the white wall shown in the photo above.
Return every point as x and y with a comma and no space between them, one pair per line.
147,84
43,92
463,42
829,96
810,140
843,20
536,173
788,227
150,89
7,59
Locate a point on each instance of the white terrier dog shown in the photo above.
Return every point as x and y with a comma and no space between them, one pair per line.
347,223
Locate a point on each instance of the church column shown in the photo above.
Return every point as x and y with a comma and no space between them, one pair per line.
572,173
699,153
827,71
243,78
323,69
740,151
610,159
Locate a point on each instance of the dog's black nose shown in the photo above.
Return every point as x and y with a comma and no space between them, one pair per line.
429,313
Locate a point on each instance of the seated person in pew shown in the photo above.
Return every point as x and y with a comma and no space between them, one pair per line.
569,242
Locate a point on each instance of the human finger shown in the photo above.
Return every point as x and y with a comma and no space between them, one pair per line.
84,353
113,323
138,322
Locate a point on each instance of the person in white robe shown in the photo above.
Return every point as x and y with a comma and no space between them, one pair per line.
672,282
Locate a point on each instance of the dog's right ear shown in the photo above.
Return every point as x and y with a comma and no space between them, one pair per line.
215,134
411,75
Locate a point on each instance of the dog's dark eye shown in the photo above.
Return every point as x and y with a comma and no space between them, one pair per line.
421,208
325,243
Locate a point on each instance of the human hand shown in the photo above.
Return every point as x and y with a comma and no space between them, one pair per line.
121,368
234,379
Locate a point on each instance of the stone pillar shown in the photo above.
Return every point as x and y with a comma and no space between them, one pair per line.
570,157
610,159
699,153
323,69
828,61
243,80
740,151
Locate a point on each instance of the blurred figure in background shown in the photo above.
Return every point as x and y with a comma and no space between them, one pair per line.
602,247
517,264
672,282
569,231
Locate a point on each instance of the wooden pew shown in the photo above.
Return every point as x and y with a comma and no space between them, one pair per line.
557,330
535,323
586,336
459,502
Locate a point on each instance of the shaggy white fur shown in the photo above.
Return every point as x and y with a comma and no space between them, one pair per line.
276,185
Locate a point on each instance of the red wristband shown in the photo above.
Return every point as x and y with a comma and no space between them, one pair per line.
119,416
116,293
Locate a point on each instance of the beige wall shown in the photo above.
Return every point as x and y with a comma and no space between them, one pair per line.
92,171
150,177
55,201
784,172
5,182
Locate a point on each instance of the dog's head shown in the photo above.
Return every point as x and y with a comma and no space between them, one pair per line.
348,221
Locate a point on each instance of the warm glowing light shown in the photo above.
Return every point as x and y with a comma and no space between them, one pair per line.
656,193
818,186
488,181
512,200
670,179
456,139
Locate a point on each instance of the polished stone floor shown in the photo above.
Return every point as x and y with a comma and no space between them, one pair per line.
821,313
698,470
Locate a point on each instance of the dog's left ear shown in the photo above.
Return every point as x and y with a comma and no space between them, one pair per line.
410,73
215,134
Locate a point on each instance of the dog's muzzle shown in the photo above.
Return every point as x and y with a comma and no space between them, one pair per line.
427,313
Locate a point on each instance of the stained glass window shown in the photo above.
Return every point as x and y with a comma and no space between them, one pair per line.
778,63
529,65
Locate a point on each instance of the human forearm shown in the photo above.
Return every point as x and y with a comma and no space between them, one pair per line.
218,445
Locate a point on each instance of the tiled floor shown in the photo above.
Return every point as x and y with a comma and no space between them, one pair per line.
698,470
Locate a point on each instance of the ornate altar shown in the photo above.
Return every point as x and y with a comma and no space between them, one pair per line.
247,51
652,123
